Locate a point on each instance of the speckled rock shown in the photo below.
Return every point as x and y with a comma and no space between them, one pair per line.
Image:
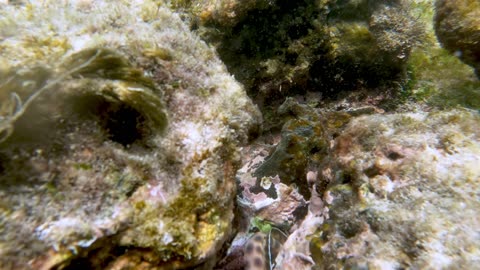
402,192
457,25
119,133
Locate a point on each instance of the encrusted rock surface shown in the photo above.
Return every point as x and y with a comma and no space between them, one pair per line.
403,193
391,191
119,138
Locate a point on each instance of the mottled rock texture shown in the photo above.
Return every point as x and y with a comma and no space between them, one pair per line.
402,192
119,133
457,25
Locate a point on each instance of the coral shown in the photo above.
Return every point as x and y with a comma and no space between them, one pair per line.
124,150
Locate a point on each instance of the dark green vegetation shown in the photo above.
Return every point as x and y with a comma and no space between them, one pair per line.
291,47
457,25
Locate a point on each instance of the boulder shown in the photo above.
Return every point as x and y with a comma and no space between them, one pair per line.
119,138
457,25
402,192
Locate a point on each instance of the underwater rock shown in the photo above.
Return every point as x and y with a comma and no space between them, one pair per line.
280,48
218,12
457,25
276,176
120,130
303,137
402,192
436,77
276,180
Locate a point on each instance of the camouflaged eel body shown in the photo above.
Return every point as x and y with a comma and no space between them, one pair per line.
255,252
261,249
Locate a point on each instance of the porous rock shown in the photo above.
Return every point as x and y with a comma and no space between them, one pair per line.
119,137
403,193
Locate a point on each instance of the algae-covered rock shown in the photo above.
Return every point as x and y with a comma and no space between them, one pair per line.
437,77
280,48
119,133
457,25
303,138
222,12
402,193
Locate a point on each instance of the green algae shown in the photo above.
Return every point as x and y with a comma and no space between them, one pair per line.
436,77
442,80
283,49
106,64
457,27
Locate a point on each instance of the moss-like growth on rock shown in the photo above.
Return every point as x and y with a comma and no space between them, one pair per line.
282,48
436,77
457,25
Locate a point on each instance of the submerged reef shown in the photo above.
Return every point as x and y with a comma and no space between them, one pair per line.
389,191
118,148
437,78
127,140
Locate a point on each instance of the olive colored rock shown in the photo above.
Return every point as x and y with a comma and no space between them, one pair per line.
119,137
457,25
303,138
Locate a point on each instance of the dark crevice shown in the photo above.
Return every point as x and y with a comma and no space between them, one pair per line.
265,33
120,122
347,178
123,124
98,258
372,171
271,192
394,156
